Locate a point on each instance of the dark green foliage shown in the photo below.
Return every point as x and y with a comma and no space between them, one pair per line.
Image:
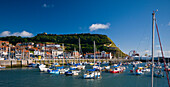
69,40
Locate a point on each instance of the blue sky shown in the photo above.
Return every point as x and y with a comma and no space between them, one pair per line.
127,22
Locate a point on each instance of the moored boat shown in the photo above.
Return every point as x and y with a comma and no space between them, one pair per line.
116,70
73,67
72,72
43,68
92,74
139,71
2,67
53,71
158,74
62,71
81,67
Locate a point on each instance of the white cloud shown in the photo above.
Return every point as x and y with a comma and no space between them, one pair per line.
5,33
169,24
99,26
22,34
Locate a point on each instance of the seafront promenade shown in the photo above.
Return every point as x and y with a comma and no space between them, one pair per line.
23,63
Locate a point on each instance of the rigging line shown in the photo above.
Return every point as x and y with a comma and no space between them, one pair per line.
162,53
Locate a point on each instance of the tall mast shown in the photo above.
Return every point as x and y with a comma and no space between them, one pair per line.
74,54
63,53
153,29
79,49
23,53
44,51
79,46
94,52
9,53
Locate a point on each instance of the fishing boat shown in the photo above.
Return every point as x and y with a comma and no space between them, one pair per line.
2,67
69,73
62,71
81,67
92,64
106,68
32,65
72,72
158,74
158,67
54,70
116,69
43,68
146,69
92,74
51,71
56,64
139,71
97,67
73,67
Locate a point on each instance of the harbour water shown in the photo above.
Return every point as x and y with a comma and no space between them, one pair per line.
31,77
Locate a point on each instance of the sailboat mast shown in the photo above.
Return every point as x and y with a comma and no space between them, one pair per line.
153,29
23,53
63,53
79,49
79,46
94,52
9,53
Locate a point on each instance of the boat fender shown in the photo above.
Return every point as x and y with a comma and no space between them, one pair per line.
131,70
136,70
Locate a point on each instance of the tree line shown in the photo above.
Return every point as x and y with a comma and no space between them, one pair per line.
69,40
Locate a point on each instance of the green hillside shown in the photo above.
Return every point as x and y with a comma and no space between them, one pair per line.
71,41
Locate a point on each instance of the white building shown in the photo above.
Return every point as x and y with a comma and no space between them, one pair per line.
106,55
53,45
99,55
39,53
57,52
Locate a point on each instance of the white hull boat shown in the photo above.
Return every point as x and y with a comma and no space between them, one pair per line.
92,75
81,67
43,68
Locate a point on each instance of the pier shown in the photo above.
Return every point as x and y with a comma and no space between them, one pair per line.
23,63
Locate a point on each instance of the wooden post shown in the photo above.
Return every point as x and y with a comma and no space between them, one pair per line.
27,62
21,63
11,63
